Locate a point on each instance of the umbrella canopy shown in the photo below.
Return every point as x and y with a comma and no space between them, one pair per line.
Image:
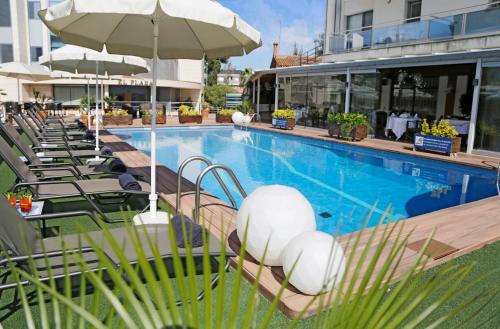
188,29
83,60
75,59
19,71
165,29
24,71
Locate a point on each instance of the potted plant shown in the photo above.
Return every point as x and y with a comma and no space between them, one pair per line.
441,138
108,103
84,106
12,197
188,114
205,110
224,116
25,201
117,117
161,118
41,101
284,119
350,126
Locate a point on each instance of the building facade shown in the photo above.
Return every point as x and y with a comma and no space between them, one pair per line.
24,38
401,58
229,78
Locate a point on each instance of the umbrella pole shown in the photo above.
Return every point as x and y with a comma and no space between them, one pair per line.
97,108
153,197
88,103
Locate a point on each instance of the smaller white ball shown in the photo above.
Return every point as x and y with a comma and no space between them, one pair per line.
247,119
238,117
275,214
320,262
240,135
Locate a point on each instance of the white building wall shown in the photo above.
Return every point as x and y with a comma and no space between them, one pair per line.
189,70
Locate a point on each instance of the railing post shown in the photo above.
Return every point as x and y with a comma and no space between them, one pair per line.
475,107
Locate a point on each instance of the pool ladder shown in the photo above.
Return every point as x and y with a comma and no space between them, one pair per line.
211,168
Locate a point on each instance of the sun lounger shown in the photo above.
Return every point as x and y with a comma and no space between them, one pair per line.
82,172
92,191
23,243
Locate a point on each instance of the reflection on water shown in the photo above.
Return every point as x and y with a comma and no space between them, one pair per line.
344,181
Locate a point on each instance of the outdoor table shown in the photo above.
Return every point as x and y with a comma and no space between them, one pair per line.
398,125
462,126
37,210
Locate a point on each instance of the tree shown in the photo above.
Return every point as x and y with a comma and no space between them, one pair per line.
297,51
215,95
245,76
213,67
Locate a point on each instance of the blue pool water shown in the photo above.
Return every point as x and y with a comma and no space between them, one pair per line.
342,182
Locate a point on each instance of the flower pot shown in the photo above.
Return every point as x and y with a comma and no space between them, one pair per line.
333,129
359,133
161,119
120,120
13,201
205,113
44,114
284,123
220,118
437,144
190,119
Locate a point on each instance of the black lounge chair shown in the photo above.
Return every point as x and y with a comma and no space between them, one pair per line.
83,172
23,243
92,191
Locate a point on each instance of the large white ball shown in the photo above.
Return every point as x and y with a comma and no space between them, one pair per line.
320,262
276,214
238,117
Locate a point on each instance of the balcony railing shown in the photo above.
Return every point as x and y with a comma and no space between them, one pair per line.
435,29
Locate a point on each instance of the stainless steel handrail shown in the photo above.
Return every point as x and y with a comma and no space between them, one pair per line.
216,174
200,179
498,178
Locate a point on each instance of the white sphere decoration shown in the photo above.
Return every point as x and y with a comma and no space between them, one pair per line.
320,262
276,214
247,119
238,117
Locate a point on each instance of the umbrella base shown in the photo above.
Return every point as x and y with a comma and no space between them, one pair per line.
146,218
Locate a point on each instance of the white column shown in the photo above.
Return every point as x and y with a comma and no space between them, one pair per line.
258,99
88,103
348,91
475,107
253,93
96,116
276,93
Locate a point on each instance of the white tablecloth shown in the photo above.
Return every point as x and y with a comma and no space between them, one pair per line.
462,126
398,125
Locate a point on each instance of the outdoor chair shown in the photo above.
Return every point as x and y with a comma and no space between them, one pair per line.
53,144
94,192
52,121
47,256
55,131
66,169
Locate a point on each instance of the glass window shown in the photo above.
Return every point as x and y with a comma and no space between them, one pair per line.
5,13
6,53
33,9
488,119
35,52
55,42
335,92
71,95
364,93
298,92
413,10
360,22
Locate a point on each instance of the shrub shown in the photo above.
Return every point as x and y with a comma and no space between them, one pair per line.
226,112
116,113
187,111
439,129
348,121
284,114
216,95
148,112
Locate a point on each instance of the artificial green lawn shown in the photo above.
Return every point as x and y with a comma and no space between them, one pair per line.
487,260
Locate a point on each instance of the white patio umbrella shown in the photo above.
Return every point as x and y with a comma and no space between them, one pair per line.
80,60
165,29
19,71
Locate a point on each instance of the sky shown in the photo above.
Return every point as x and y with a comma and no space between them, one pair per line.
301,21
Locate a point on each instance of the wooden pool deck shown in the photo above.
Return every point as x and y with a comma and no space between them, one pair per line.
462,228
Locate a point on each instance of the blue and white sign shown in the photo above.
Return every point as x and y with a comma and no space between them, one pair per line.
433,143
280,123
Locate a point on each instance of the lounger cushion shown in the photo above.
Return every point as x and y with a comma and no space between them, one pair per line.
89,186
76,153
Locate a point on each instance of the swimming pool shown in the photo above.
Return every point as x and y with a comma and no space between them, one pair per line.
342,182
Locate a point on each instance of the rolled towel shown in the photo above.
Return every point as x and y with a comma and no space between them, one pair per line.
194,232
106,151
80,124
89,135
129,183
117,165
